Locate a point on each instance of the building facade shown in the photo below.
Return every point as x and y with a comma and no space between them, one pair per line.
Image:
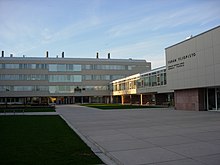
148,88
189,81
28,80
193,71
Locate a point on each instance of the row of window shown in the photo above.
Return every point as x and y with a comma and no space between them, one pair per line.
125,85
58,78
23,77
65,78
152,79
53,89
23,66
66,67
102,77
23,88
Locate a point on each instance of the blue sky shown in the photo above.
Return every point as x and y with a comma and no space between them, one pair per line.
138,29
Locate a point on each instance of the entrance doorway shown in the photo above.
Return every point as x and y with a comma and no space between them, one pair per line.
213,98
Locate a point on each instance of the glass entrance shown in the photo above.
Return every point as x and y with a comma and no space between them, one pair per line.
218,98
213,98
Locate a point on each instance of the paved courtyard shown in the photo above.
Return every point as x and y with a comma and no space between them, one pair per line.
142,136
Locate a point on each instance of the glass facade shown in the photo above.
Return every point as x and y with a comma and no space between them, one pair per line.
65,78
23,77
53,89
110,67
23,66
153,78
64,67
96,88
61,89
58,78
107,67
23,88
102,77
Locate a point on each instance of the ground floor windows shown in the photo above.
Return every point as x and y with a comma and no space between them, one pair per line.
163,99
53,89
15,101
213,98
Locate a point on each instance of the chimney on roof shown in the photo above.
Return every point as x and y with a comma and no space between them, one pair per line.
97,55
109,55
11,55
47,54
62,54
3,53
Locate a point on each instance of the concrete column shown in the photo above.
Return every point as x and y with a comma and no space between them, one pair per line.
111,99
141,99
122,99
73,100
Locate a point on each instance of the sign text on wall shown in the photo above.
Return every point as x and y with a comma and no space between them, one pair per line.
179,62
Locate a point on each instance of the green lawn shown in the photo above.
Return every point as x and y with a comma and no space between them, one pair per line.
29,140
117,106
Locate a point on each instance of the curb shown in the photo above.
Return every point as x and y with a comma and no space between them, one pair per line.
106,157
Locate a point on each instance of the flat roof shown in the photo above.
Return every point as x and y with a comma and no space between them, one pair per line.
193,37
153,70
126,78
70,59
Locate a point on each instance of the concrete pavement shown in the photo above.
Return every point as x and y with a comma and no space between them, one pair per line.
154,136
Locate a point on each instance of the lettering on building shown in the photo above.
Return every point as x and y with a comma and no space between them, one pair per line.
180,61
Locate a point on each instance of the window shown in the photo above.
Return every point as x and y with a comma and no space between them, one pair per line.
11,66
96,88
23,77
109,67
65,78
64,67
87,67
23,88
87,77
61,89
77,68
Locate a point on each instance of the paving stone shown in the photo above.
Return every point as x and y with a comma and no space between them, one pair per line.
121,145
145,156
195,149
181,162
169,140
152,136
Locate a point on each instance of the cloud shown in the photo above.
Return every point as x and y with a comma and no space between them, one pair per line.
167,18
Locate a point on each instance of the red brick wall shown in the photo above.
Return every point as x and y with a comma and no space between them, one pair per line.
190,99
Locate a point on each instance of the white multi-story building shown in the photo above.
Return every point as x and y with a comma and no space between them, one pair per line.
62,80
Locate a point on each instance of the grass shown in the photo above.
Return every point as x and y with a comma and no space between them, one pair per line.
117,106
27,109
26,140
